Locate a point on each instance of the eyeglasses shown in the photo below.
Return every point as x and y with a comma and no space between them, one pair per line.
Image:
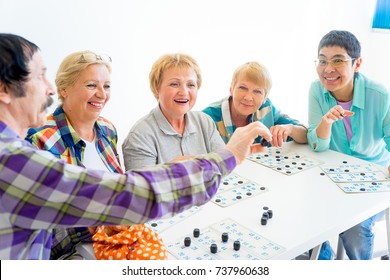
90,57
335,62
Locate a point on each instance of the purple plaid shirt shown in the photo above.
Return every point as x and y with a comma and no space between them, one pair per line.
39,192
59,138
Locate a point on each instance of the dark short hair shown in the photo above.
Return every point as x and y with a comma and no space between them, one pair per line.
15,55
343,39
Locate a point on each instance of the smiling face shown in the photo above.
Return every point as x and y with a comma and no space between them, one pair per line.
247,97
338,80
177,93
86,98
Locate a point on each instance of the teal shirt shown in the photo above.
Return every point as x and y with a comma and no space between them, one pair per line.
267,114
370,124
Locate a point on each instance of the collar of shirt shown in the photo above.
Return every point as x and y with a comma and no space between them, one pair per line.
68,133
359,100
227,116
6,130
166,127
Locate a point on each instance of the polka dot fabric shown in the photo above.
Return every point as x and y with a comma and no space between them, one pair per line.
137,242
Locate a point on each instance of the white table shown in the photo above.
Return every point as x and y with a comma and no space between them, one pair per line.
308,208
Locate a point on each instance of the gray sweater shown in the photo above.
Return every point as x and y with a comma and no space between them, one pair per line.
152,139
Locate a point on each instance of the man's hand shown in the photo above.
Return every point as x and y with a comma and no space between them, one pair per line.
241,142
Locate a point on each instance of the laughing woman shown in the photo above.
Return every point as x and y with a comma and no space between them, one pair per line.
171,130
78,134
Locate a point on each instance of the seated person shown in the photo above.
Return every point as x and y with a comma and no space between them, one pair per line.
39,192
248,102
76,133
349,113
171,129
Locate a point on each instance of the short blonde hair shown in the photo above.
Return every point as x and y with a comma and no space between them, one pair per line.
73,65
169,61
255,72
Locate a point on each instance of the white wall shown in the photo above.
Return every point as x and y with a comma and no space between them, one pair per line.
221,35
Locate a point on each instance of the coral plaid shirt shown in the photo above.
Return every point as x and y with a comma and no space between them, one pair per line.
59,138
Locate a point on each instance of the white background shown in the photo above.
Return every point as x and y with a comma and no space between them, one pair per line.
278,270
220,35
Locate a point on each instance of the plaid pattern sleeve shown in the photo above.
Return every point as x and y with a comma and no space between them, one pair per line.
64,241
59,138
39,192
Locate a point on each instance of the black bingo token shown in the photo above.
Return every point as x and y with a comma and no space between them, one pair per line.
196,232
213,248
187,241
236,245
264,142
225,237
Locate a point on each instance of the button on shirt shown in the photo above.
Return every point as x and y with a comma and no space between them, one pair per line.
39,192
370,124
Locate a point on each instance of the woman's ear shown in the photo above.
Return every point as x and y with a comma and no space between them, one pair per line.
358,64
63,93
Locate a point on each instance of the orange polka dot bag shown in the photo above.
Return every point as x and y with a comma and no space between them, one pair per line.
136,242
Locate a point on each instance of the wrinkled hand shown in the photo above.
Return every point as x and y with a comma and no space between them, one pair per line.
241,142
280,134
336,113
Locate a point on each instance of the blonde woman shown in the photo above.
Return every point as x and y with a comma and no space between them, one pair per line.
171,130
78,134
248,102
